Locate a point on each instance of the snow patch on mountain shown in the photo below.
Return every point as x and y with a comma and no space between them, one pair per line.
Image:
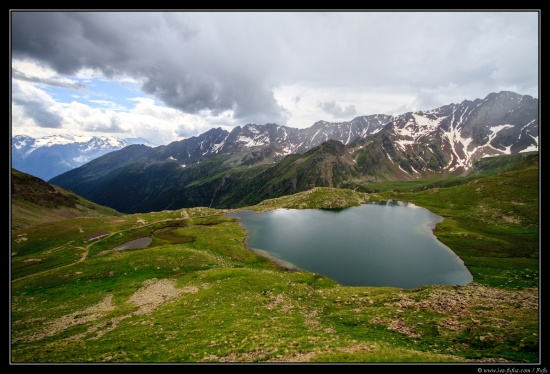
404,143
496,129
427,124
218,146
251,142
531,148
50,156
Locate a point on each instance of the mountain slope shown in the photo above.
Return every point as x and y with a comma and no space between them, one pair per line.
34,201
53,155
322,166
222,169
502,123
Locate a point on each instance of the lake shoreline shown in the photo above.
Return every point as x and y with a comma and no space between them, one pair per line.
280,263
277,261
390,244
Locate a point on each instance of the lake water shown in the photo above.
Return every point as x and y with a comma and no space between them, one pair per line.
375,244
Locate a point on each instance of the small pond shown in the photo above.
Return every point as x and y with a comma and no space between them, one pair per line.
134,244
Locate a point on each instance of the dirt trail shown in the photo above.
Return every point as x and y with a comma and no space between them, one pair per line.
87,249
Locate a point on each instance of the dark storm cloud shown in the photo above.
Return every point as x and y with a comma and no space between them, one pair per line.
40,113
38,108
337,110
187,70
111,42
235,61
16,74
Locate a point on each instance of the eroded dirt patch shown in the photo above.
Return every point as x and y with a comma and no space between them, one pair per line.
154,293
459,300
77,318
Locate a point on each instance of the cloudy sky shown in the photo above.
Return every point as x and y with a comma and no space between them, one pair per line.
166,76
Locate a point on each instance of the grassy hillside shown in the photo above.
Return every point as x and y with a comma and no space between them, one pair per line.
34,201
197,294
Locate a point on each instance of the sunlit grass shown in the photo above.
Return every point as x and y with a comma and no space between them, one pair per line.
197,294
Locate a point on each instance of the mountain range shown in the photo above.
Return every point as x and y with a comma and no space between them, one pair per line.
254,162
50,156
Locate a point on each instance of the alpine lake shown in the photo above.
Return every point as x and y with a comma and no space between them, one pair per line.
375,244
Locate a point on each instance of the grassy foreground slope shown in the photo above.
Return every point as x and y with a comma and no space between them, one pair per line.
197,294
34,201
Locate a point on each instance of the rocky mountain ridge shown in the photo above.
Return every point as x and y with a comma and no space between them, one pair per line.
255,162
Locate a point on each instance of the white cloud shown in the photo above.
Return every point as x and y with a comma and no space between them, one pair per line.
195,70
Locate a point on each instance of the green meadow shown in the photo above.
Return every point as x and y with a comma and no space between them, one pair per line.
197,294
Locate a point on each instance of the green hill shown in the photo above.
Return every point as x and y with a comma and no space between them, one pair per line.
197,294
34,201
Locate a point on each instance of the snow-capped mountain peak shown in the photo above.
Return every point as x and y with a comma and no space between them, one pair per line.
52,155
446,139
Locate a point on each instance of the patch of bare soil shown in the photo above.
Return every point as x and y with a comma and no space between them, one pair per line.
459,300
77,318
153,294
